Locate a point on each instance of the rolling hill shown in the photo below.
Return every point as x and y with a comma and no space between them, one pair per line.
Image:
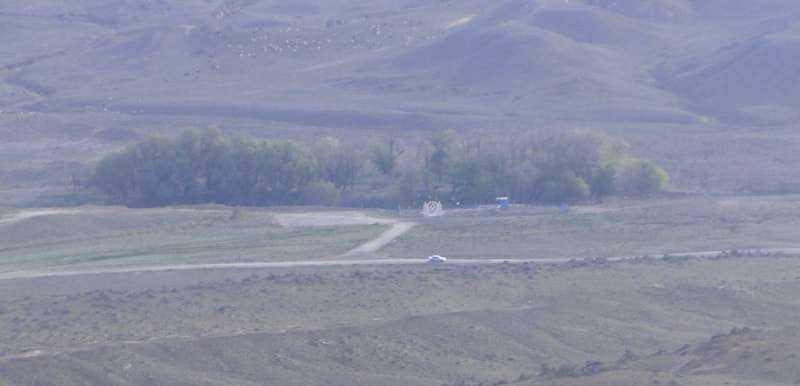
90,75
706,88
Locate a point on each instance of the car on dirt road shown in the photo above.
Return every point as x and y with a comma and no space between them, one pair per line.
436,259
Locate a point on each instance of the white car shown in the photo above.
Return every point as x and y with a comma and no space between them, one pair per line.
436,259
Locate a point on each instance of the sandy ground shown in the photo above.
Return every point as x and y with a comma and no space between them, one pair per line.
338,218
362,254
30,213
374,245
310,219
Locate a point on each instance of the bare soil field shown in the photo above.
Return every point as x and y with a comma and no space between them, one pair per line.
723,318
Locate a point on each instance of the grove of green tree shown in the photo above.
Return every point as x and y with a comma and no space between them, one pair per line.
209,167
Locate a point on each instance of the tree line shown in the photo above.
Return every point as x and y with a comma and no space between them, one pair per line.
210,167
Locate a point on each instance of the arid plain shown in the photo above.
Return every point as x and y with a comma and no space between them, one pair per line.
725,316
96,294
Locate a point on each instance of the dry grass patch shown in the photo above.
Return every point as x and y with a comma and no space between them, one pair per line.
624,228
103,236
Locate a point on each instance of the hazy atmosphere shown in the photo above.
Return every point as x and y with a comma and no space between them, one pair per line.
248,191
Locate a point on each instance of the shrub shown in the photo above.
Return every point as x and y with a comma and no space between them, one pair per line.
319,193
568,188
641,178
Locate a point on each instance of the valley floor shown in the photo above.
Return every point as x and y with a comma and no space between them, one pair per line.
686,319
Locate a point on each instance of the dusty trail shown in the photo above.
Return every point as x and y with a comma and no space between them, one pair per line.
26,214
361,255
374,245
343,260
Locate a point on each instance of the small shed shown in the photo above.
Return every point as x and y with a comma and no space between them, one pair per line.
502,202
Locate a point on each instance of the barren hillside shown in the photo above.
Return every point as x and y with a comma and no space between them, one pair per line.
80,79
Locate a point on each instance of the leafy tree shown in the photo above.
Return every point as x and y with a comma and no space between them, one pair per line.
385,157
601,181
384,161
262,172
521,182
161,174
114,174
206,166
319,193
642,178
437,161
218,163
600,157
543,163
287,166
336,162
465,173
409,182
567,188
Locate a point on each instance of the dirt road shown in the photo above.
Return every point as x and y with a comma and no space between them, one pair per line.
313,219
374,245
26,214
364,254
343,260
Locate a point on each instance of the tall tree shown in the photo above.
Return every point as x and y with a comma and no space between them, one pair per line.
640,177
337,163
114,175
437,161
384,156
